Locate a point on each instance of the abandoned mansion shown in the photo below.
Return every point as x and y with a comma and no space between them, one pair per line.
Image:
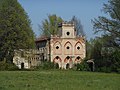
65,49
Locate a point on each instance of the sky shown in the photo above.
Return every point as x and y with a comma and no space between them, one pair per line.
84,10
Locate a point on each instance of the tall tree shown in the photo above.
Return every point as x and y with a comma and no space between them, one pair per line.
50,26
110,26
78,26
15,29
109,59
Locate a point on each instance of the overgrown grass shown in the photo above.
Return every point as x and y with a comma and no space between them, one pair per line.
58,80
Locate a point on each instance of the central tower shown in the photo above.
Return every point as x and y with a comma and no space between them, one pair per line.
68,30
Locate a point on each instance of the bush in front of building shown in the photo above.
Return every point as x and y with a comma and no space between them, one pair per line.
47,65
83,66
105,69
7,66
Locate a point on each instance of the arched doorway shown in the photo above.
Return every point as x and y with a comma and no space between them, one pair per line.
68,62
57,62
22,65
91,64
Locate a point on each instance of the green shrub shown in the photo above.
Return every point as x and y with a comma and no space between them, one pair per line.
7,66
78,66
82,66
108,62
118,70
105,69
3,66
12,67
46,66
56,66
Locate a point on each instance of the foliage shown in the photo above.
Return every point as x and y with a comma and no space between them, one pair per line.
106,59
118,70
106,49
109,59
7,66
93,48
58,80
89,47
78,26
110,26
105,69
50,26
15,29
83,66
96,49
47,65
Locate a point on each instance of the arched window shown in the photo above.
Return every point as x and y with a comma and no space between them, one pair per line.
68,33
68,48
57,48
78,48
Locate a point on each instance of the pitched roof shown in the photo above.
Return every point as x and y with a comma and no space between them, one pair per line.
42,38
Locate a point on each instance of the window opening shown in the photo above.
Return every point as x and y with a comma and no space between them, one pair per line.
78,57
78,47
68,47
57,57
68,33
57,47
68,57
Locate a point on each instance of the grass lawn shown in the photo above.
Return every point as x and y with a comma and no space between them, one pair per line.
58,80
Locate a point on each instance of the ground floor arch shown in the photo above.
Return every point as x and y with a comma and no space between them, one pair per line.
77,60
58,62
68,62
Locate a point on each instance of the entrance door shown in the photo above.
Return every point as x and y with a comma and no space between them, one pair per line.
91,66
22,65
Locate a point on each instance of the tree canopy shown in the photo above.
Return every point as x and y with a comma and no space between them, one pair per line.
50,26
110,26
78,26
15,29
106,49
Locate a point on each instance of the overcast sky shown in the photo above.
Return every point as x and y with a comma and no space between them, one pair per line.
85,10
